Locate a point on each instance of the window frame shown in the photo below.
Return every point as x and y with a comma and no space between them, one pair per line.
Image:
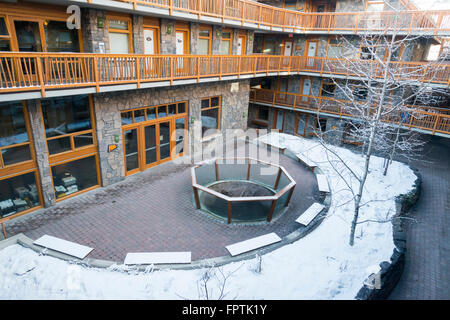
219,113
327,82
209,38
110,17
229,40
258,113
73,152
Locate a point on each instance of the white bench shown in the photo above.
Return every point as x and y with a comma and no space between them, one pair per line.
306,161
252,244
63,246
322,183
157,258
310,213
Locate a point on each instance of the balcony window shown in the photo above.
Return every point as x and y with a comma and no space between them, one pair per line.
68,123
119,35
204,41
328,89
360,93
28,36
73,176
225,45
4,36
262,114
59,38
210,116
334,48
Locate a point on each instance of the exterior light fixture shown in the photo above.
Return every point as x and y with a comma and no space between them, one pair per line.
169,29
116,138
100,22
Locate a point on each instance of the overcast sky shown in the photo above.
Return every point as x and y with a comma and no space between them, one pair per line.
433,4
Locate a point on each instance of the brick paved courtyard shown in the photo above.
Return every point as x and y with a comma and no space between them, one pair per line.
154,211
427,269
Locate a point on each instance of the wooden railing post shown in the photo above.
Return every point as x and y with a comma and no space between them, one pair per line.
197,199
138,73
220,68
198,69
171,63
40,76
223,11
96,74
243,11
239,67
170,7
272,209
260,17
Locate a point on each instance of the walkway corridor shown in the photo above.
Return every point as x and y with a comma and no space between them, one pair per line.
427,269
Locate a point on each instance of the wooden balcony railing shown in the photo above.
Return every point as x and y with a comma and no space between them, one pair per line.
45,71
433,120
259,14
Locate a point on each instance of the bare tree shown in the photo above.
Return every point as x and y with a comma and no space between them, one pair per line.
380,92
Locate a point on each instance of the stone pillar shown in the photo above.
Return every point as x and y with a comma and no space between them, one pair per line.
40,147
216,39
138,34
335,131
250,40
193,34
234,41
108,127
93,36
168,37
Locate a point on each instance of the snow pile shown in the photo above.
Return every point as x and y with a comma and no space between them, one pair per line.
320,266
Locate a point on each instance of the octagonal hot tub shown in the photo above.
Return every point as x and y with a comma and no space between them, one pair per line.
241,189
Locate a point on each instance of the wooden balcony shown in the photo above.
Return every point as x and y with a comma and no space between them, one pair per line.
44,72
429,120
258,15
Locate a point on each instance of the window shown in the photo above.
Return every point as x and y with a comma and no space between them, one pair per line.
73,177
28,36
262,114
204,40
5,39
360,93
334,49
119,35
225,45
321,124
14,139
433,52
59,38
210,115
368,50
290,4
68,123
152,113
328,89
18,194
374,5
269,45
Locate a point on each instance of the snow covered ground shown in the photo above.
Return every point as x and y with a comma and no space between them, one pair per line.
319,266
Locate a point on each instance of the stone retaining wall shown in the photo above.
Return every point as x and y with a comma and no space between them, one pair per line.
390,272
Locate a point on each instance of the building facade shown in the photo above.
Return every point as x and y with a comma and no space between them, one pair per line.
142,83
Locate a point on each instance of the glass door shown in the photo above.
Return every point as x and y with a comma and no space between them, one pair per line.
131,143
164,141
150,145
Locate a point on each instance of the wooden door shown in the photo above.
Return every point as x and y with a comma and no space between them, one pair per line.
242,45
311,52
